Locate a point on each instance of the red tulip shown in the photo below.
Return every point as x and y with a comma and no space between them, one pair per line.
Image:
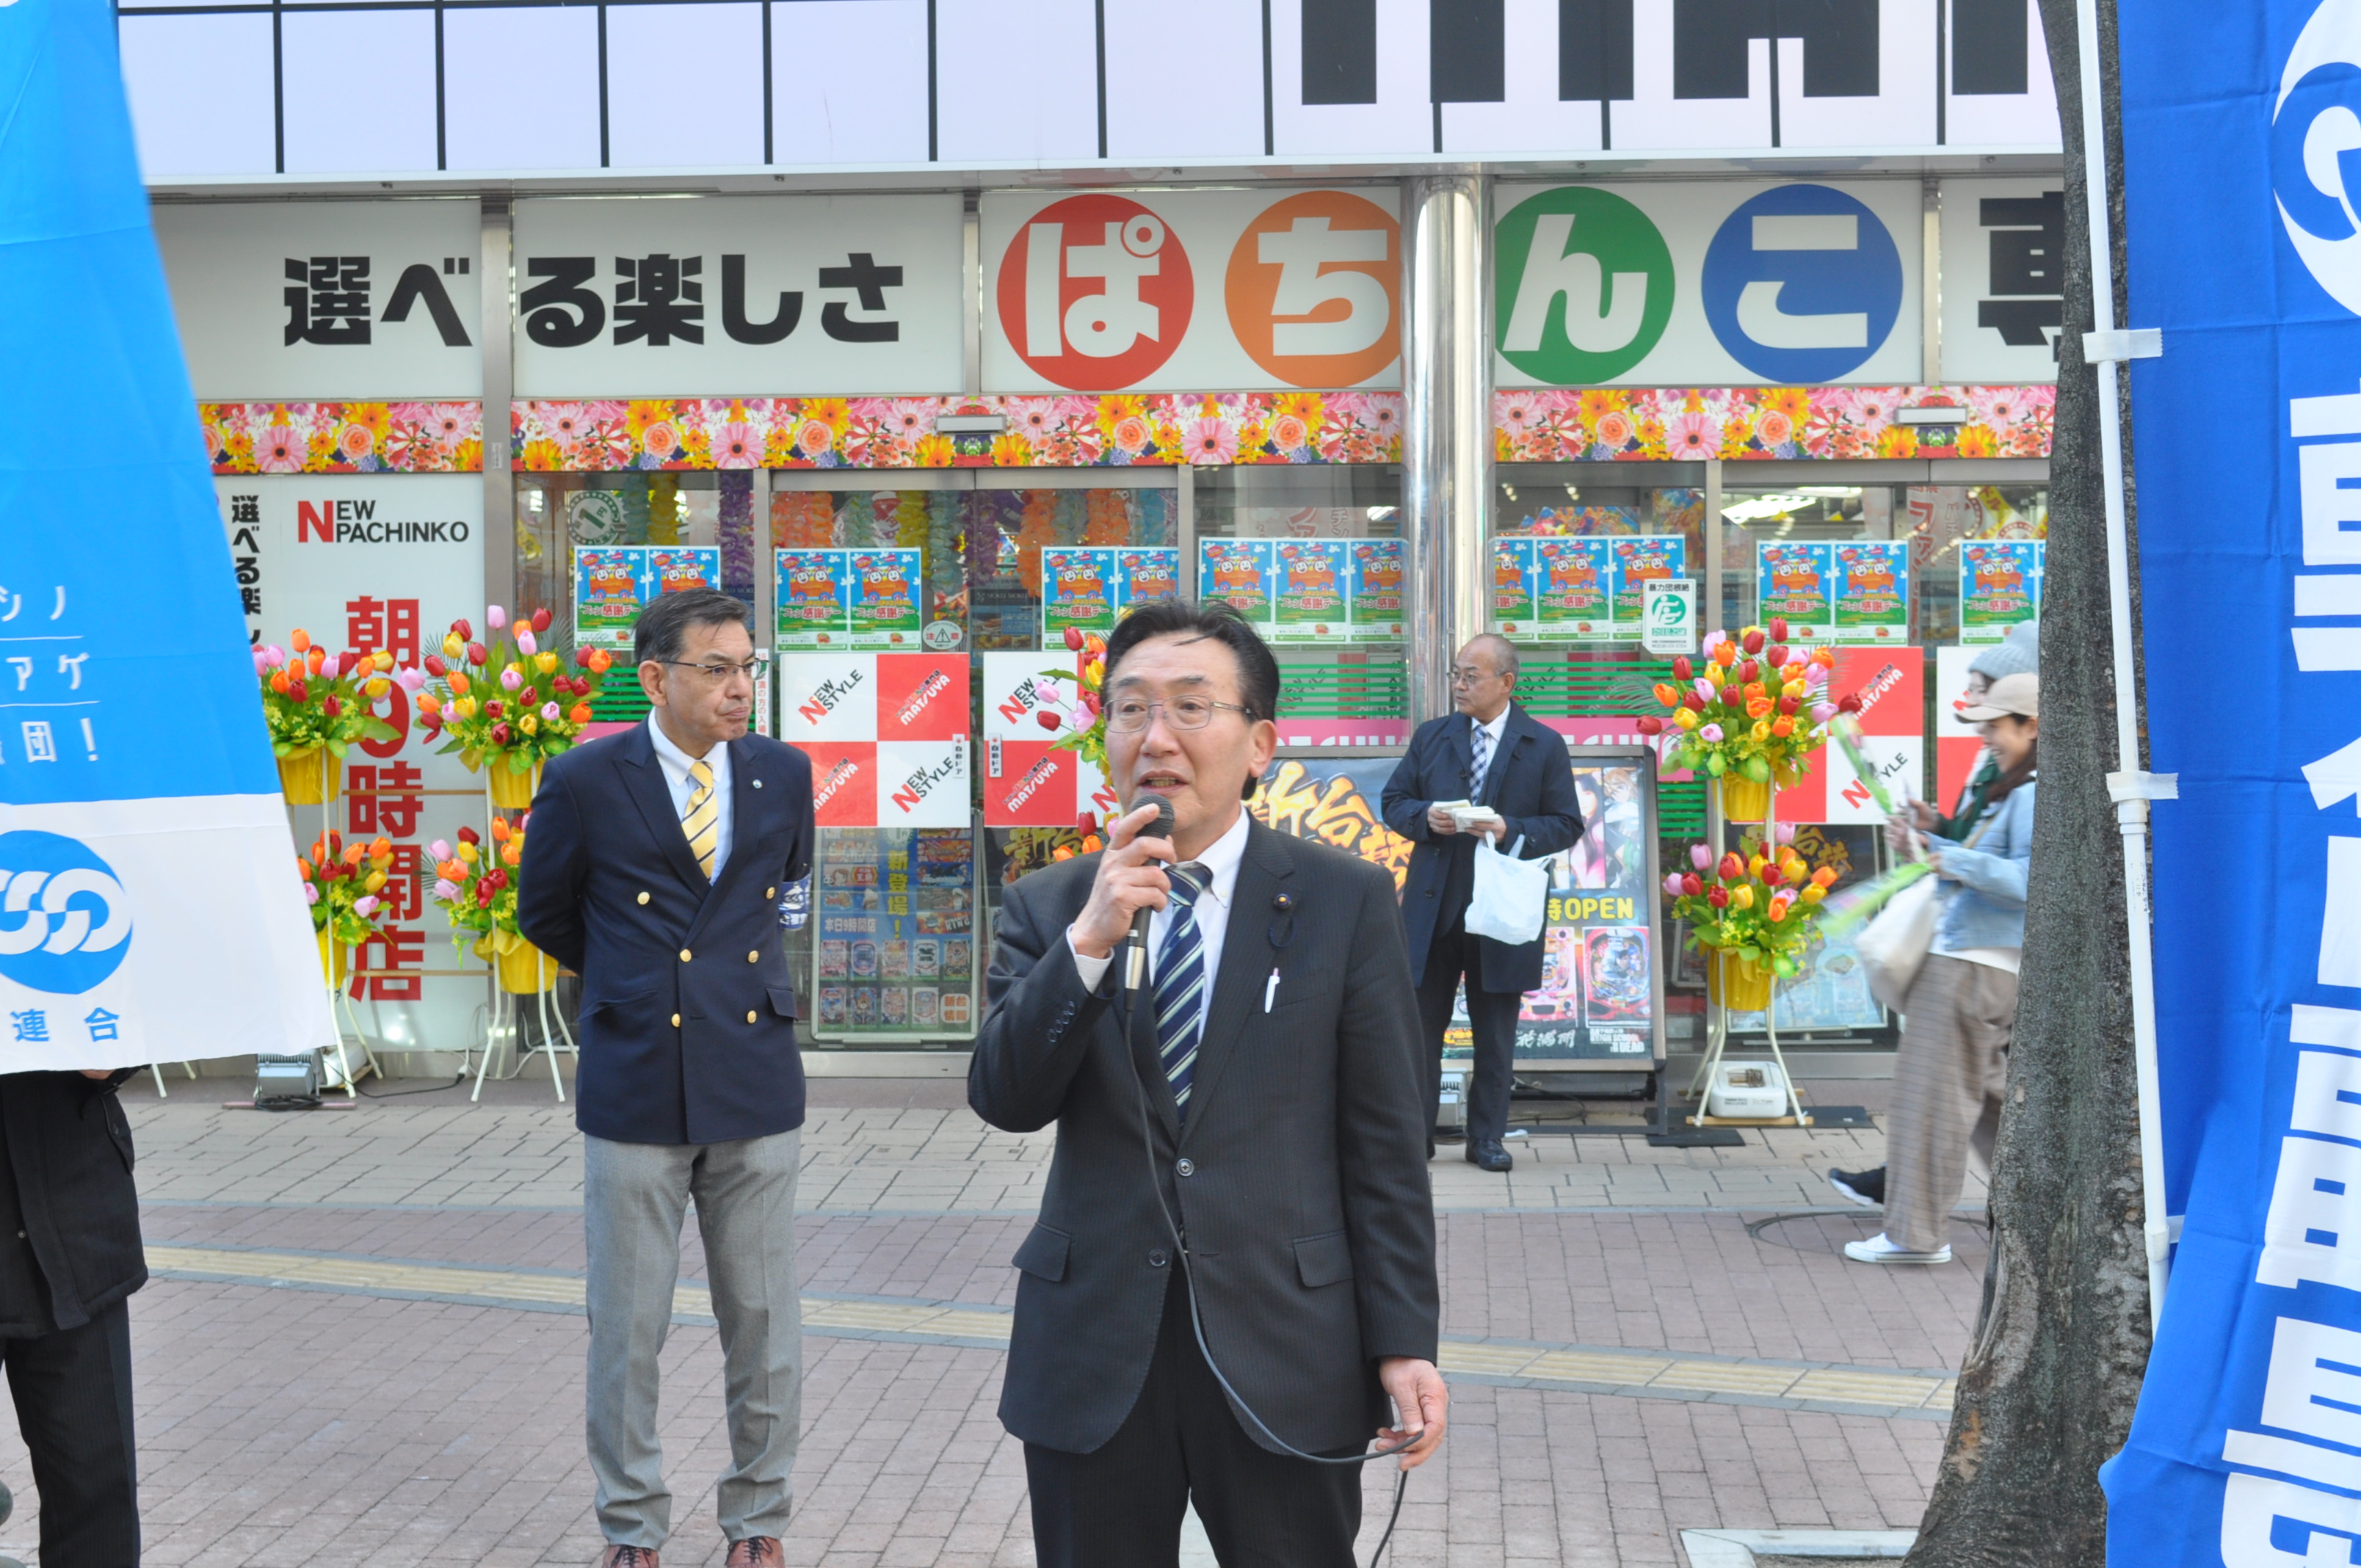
1650,725
1681,671
1074,638
298,692
526,698
1046,719
466,632
435,666
332,708
1694,703
1754,641
541,618
1788,704
1776,655
1731,868
501,735
1718,897
1730,696
582,657
493,708
476,654
469,836
1691,883
1849,703
1779,629
1749,673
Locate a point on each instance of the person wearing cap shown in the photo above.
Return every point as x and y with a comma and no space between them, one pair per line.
2020,653
1953,1060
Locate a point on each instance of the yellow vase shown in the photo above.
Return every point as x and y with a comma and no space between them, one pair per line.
335,959
525,971
511,791
312,776
1744,799
1739,984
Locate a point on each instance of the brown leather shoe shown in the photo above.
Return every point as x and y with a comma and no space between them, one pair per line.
629,1557
754,1552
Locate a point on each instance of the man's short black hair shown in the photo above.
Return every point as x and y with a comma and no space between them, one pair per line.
1192,622
663,628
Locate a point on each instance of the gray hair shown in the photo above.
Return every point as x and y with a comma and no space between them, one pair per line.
662,630
1504,652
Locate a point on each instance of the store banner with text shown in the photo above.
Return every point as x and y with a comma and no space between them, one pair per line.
887,735
1029,782
2240,188
1185,290
152,909
1892,685
361,563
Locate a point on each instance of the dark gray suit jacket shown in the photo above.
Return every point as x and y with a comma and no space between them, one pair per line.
1305,1205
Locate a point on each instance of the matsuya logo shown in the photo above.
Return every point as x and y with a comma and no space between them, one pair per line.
357,522
1095,293
2316,149
65,924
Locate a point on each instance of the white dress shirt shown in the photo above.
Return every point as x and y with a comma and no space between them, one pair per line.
1492,756
675,764
1221,858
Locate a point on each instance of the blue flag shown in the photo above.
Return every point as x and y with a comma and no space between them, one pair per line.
150,908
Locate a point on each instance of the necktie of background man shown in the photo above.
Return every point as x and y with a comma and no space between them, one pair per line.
702,821
1480,763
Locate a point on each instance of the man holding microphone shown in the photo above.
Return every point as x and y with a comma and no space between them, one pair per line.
1233,1279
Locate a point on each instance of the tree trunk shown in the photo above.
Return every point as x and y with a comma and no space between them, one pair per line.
2047,1390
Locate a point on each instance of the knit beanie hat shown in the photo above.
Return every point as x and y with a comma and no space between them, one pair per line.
2020,654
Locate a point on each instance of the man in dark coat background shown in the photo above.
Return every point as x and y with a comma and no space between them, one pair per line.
1526,780
70,1257
652,869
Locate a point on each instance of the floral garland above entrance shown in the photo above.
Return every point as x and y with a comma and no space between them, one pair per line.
1121,430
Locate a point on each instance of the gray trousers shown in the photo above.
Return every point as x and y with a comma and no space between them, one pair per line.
634,1197
1948,1078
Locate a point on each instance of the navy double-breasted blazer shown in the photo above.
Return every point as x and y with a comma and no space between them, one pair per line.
687,1023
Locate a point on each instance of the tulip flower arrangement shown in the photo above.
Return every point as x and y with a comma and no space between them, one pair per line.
1084,723
475,886
341,883
315,701
1756,908
507,706
1749,715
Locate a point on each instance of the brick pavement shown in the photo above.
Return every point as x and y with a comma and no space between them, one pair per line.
281,1425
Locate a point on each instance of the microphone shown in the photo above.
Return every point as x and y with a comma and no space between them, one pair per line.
1136,947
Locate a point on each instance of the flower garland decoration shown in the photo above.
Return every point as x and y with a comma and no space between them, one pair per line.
312,698
1755,710
802,520
1758,903
508,703
943,573
477,887
1110,520
1038,532
341,883
909,519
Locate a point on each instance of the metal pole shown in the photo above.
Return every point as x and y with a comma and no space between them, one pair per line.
1446,428
494,332
2129,784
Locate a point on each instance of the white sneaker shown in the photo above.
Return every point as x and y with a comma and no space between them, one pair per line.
1877,1249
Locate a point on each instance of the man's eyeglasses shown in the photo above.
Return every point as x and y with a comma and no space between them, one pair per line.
715,673
1129,715
1461,675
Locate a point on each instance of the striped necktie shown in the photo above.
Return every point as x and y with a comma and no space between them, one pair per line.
1480,755
702,820
1181,983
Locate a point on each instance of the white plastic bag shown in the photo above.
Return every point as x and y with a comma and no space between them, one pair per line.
1511,895
1893,946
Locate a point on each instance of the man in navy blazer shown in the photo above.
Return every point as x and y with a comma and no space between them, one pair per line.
1526,780
654,868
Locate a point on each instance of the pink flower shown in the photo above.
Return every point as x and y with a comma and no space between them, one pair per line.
549,712
311,893
1518,412
440,849
446,890
410,680
1775,429
1211,440
1704,688
1709,734
1782,832
525,644
909,418
262,664
1131,435
511,680
1823,711
1287,433
356,441
812,437
737,446
495,617
365,905
1691,437
1673,886
1614,428
280,450
1869,408
661,440
1699,856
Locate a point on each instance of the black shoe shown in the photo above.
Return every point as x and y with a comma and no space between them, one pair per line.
1485,1153
1866,1187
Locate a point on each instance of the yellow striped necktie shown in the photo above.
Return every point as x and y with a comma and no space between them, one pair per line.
702,821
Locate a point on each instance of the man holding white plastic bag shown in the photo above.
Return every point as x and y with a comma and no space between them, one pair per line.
1490,771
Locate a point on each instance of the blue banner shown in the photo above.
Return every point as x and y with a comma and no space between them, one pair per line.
149,903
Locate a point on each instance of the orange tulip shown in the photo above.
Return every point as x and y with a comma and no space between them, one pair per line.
380,848
1826,876
1784,728
353,854
1758,708
512,854
458,683
314,659
428,704
300,639
580,713
302,868
500,829
279,682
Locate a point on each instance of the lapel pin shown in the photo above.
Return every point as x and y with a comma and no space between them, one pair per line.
758,783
